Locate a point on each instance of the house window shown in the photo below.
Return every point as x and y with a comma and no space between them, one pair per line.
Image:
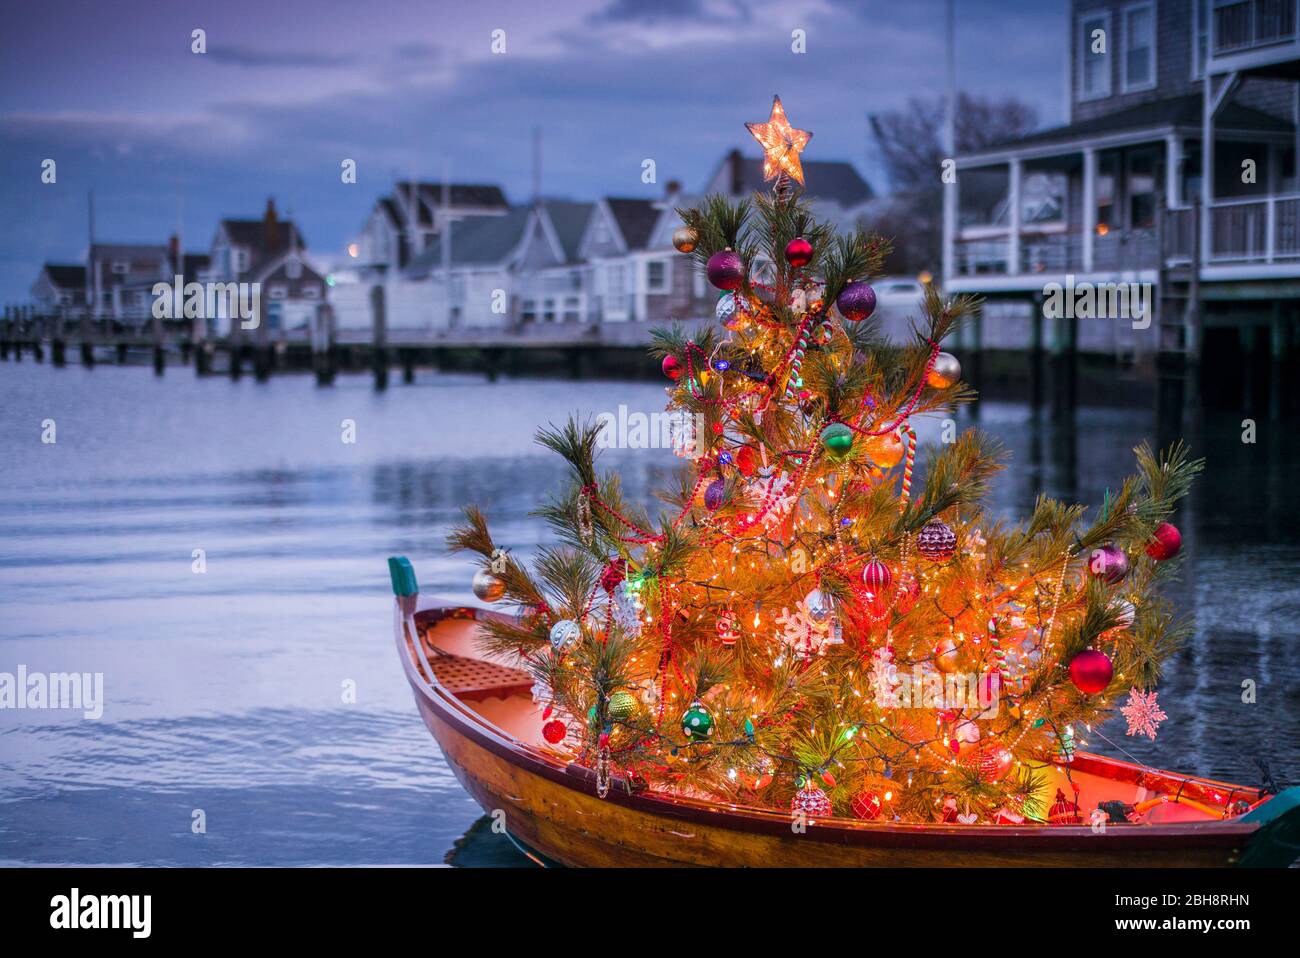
65,299
1094,56
311,292
616,281
656,276
549,310
121,267
1142,185
1139,47
1200,37
572,309
1107,181
529,312
277,291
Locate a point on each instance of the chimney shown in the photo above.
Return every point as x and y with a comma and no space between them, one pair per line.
735,164
271,226
672,189
174,253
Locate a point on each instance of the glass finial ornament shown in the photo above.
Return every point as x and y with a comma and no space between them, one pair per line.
564,634
781,144
685,239
697,722
487,586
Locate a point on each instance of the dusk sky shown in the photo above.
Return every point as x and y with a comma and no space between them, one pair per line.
288,89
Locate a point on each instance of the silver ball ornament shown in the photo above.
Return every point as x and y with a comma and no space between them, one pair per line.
565,633
946,371
487,586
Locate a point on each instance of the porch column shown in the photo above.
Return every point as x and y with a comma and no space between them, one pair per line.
1013,245
1207,165
949,231
1173,164
1089,205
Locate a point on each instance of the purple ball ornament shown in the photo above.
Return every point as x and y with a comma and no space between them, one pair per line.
856,302
1108,562
726,270
713,494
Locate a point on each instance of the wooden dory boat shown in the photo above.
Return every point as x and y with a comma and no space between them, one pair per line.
483,716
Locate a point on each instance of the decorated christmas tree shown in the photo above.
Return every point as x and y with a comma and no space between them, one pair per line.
803,626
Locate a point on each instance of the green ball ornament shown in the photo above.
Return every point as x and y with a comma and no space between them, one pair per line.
837,438
621,706
697,722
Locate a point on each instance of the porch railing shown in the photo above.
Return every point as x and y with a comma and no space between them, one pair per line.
1248,24
1255,231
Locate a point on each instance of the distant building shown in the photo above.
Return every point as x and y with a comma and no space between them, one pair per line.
1177,169
60,290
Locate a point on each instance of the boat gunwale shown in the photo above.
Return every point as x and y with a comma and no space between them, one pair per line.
470,724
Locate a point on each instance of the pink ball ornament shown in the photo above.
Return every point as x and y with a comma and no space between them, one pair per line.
672,367
1091,671
1166,542
726,269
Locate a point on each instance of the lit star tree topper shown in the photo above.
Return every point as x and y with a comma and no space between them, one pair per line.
781,144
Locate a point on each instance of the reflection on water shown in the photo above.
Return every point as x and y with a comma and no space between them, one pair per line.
225,690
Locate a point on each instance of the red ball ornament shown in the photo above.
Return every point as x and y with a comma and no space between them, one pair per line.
554,731
745,460
1091,671
867,806
1167,542
798,252
672,367
877,577
726,269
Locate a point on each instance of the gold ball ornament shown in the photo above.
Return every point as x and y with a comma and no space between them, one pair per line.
487,586
946,656
685,239
946,371
886,451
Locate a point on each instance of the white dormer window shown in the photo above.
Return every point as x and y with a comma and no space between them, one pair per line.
310,292
1139,61
1093,52
277,291
239,258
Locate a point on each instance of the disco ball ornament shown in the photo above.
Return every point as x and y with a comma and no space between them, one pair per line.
936,541
487,586
886,451
554,731
1108,562
1091,671
725,310
685,239
945,372
672,367
811,801
946,656
856,302
837,437
798,252
697,722
714,493
876,576
867,806
818,604
564,634
1166,542
621,706
726,269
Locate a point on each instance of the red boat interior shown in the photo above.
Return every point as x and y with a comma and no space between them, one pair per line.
501,697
